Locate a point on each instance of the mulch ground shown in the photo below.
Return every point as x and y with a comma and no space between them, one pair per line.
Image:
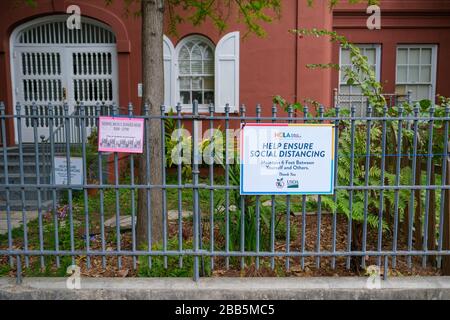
310,268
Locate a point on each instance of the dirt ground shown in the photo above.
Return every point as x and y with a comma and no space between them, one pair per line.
310,268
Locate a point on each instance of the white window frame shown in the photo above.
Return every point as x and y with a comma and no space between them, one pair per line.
358,99
434,49
180,45
377,48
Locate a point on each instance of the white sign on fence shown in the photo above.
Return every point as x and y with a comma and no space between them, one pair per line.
287,159
76,171
121,135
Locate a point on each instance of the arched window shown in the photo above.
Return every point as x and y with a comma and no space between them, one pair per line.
196,70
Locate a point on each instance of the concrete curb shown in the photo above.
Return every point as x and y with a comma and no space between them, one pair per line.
424,288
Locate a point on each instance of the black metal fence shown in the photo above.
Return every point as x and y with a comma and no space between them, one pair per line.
390,206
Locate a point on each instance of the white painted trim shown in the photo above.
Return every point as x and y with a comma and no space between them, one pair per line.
236,58
173,63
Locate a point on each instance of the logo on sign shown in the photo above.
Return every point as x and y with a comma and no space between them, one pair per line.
280,183
293,184
287,135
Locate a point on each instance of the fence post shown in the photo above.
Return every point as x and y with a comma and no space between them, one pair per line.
446,259
195,178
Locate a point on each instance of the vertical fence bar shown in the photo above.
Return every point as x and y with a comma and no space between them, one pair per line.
35,121
19,270
242,205
397,184
352,166
258,203
413,181
82,114
446,233
115,111
163,178
427,194
211,183
336,180
443,183
52,180
366,181
133,198
303,241
227,187
290,111
22,182
67,127
382,183
148,184
195,176
6,177
319,208
273,213
179,189
102,191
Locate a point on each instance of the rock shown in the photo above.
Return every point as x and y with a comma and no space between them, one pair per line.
267,203
232,208
124,222
173,214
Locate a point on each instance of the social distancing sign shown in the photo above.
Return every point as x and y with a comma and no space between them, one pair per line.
287,159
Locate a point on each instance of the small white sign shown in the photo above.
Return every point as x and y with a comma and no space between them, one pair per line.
76,171
287,159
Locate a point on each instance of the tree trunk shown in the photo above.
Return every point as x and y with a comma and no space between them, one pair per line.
153,95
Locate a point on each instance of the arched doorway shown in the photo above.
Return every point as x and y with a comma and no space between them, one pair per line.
51,63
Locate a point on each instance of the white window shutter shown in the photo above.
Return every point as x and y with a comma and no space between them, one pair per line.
169,74
227,73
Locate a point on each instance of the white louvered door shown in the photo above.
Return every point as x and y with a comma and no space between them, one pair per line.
52,64
92,78
40,78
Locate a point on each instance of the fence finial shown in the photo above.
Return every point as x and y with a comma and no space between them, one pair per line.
115,108
195,107
130,108
321,110
369,110
400,110
290,110
242,109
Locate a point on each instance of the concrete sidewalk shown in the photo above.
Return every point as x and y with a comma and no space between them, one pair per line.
228,288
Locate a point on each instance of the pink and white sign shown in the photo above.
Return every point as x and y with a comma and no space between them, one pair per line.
124,135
